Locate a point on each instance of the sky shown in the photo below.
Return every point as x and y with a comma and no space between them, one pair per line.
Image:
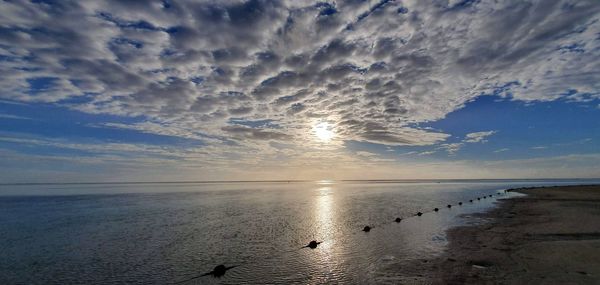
98,91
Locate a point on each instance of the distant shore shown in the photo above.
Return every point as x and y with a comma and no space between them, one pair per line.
550,236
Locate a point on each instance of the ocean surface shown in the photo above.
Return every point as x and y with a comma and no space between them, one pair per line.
163,233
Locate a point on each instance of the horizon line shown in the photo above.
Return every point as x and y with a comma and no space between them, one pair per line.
289,181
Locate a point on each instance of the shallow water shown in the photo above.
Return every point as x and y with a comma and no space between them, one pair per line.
163,233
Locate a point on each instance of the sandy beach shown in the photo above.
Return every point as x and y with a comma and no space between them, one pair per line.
550,236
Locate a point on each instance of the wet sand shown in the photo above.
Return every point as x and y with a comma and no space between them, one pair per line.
550,236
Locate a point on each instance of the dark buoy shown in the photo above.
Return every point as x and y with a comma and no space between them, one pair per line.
491,195
449,206
460,203
313,244
471,201
366,229
478,198
484,197
219,270
419,214
397,220
436,209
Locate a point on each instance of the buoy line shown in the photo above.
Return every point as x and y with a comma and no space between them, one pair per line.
221,269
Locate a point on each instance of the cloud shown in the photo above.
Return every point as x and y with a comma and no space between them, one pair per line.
140,162
478,137
14,117
244,132
374,70
501,150
451,148
366,154
373,157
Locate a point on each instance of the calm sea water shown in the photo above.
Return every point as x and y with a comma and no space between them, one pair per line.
164,233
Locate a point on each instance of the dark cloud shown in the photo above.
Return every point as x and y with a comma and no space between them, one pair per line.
243,132
288,100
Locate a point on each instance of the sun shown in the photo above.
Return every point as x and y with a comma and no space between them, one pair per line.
324,131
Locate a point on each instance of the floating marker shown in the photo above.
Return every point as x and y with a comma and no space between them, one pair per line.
449,206
460,203
366,229
419,214
397,220
219,271
436,209
313,244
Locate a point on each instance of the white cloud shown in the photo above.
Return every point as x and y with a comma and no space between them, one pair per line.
451,148
366,154
478,137
14,117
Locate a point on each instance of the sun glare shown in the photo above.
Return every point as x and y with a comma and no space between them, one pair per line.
324,131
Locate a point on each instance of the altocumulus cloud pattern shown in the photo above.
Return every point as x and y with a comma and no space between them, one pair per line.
241,75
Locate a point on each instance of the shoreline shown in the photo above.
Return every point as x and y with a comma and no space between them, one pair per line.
550,236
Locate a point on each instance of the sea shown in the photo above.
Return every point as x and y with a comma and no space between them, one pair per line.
171,233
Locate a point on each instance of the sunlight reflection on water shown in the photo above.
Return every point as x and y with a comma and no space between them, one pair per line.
326,219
